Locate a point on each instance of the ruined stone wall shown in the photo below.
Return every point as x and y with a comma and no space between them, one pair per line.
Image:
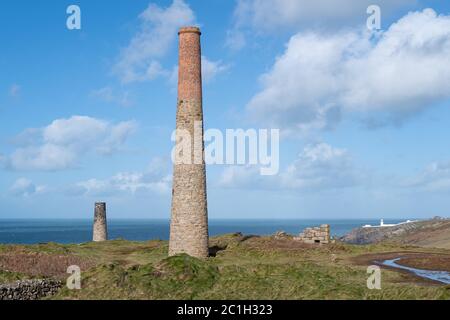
320,235
189,221
100,231
29,289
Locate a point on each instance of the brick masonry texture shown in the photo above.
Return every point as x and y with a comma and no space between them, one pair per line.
189,221
29,289
315,235
100,232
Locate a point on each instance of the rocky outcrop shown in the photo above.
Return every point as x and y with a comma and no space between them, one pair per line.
417,233
29,289
281,235
373,235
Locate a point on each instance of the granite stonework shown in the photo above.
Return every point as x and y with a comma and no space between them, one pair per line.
318,235
189,216
100,229
29,289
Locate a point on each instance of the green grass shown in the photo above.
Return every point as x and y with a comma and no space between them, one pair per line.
257,268
9,277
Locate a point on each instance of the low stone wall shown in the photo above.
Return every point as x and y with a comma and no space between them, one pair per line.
29,289
320,235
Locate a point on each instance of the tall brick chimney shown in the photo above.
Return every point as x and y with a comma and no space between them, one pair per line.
189,222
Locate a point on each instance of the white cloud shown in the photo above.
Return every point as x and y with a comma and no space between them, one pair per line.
173,77
115,137
59,145
435,177
141,60
235,39
406,69
23,187
3,161
210,69
158,31
14,91
47,157
318,167
154,180
107,94
298,92
242,177
401,72
155,70
273,16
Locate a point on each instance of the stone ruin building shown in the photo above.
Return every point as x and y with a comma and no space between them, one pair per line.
319,235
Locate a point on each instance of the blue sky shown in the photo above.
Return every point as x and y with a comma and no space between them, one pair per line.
87,115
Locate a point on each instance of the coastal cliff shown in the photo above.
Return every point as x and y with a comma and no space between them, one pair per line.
429,233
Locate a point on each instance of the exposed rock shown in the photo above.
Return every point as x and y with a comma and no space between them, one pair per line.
281,235
428,233
29,289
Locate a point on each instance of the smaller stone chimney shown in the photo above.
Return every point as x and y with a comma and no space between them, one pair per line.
100,226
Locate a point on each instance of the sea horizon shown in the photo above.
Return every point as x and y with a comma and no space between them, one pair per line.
214,219
79,230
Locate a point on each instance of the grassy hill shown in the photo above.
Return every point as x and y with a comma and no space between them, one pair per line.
243,268
432,233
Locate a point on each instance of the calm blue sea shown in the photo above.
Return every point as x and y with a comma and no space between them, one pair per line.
79,231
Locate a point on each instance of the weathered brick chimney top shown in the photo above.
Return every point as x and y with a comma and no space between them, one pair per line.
189,29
